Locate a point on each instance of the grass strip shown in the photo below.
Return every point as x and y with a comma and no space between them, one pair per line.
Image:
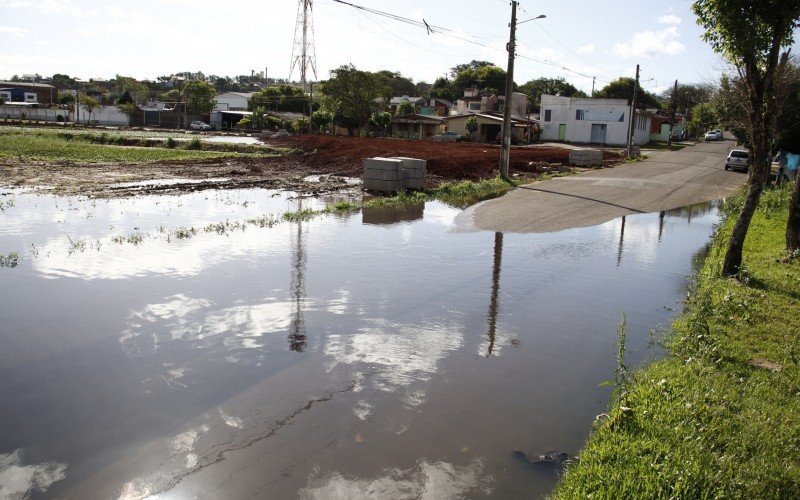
704,422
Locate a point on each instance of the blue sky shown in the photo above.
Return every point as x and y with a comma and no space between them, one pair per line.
149,38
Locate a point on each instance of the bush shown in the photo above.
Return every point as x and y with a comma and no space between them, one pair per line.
59,118
194,145
171,143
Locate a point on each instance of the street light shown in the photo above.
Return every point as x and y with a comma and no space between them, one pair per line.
511,47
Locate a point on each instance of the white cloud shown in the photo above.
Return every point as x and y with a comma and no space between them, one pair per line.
14,30
587,49
669,19
649,44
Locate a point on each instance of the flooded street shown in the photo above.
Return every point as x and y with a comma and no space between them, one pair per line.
202,346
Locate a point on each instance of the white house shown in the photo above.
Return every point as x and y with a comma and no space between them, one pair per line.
596,121
233,101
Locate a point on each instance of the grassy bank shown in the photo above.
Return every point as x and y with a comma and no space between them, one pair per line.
458,194
704,423
102,147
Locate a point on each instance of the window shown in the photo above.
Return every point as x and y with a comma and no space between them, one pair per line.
547,115
579,114
474,106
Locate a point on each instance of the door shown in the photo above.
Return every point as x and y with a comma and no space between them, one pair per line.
598,133
562,132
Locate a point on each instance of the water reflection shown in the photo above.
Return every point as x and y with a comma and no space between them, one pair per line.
621,241
493,304
20,479
426,481
297,328
392,214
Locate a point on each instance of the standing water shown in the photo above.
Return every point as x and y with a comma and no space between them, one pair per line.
203,346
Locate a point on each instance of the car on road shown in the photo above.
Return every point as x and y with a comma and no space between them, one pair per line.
198,125
738,159
448,136
713,135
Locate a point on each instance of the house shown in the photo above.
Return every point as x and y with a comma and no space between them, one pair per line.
474,102
45,93
489,125
418,102
595,121
16,94
416,126
659,128
233,101
437,107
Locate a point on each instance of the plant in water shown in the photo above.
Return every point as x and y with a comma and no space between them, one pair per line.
11,260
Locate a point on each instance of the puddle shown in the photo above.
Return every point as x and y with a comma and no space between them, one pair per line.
165,182
377,351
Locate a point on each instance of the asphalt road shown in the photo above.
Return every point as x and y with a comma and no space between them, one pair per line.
664,181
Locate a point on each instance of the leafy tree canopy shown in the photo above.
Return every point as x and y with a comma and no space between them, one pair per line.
281,98
550,86
200,96
352,95
622,88
398,84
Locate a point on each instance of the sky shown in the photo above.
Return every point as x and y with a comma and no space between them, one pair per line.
145,39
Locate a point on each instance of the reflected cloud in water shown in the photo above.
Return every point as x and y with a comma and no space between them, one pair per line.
426,481
20,480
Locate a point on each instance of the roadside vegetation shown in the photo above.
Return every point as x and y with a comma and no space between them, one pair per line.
718,418
99,147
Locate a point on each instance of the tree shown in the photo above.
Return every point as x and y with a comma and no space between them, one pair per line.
128,109
443,88
200,96
62,82
136,91
281,98
397,84
65,98
752,36
405,108
622,88
382,120
89,103
125,98
351,95
550,86
484,76
322,119
471,125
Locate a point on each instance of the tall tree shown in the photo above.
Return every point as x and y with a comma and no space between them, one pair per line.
89,103
753,37
281,98
352,96
622,88
550,86
398,84
200,96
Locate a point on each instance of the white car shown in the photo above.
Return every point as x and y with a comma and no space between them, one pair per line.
738,159
713,135
198,125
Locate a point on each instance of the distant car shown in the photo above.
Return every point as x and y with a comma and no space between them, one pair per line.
198,125
499,139
738,159
713,135
448,136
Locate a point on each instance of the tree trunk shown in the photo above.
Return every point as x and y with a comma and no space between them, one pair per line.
733,255
793,224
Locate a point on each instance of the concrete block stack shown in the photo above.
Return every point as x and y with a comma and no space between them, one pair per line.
383,174
413,172
586,157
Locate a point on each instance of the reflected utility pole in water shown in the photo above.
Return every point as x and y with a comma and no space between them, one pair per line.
621,241
494,307
660,224
297,327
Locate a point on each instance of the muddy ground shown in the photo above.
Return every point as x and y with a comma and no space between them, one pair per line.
334,158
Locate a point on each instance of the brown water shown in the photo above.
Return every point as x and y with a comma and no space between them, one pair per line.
375,354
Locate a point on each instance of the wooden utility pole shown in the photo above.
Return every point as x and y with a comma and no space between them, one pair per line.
506,144
672,108
593,79
633,112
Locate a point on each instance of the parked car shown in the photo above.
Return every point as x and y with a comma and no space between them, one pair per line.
738,159
713,135
448,136
499,139
198,125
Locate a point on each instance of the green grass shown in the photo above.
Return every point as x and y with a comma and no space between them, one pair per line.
458,194
83,146
703,423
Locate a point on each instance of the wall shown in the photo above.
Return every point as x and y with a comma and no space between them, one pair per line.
41,114
229,101
563,110
104,115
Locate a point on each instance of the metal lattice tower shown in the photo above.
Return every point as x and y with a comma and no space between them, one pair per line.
304,53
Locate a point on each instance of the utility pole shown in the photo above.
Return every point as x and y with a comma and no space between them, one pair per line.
593,79
633,112
506,144
672,108
304,42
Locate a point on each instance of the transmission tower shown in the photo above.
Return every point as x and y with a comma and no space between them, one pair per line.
303,53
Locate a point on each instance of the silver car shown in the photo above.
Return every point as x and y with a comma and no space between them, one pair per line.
738,159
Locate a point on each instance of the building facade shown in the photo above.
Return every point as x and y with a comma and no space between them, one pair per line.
592,121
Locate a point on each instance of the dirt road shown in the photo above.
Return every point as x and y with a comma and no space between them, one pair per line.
665,180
